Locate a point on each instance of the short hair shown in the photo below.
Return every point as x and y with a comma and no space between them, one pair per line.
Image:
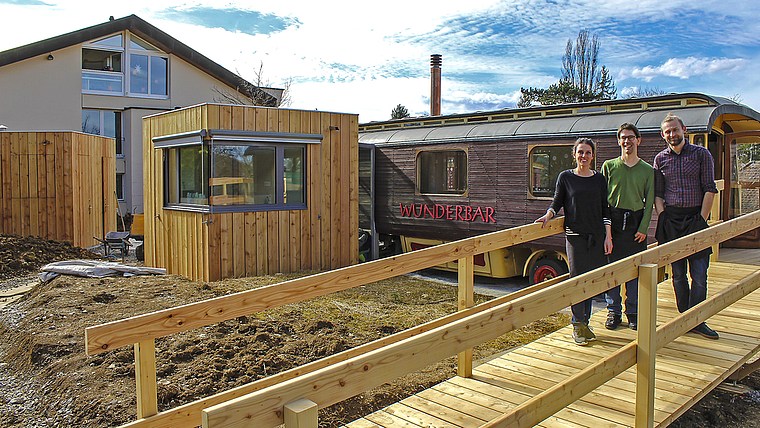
629,127
671,117
582,140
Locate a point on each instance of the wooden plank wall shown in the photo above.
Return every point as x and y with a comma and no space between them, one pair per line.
209,247
57,185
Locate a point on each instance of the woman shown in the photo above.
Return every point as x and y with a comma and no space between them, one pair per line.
582,192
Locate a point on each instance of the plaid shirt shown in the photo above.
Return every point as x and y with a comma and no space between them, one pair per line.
685,177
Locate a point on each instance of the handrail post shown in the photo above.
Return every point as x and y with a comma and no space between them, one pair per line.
301,413
647,346
145,376
466,299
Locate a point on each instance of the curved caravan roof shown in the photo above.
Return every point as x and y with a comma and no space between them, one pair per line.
699,113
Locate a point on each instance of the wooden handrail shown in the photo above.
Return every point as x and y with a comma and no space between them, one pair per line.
128,331
189,415
556,398
343,380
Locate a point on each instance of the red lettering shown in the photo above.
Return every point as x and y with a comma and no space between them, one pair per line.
467,214
406,211
429,211
489,215
439,209
458,213
478,212
415,213
449,212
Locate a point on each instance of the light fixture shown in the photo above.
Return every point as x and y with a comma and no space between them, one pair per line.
334,128
50,57
3,128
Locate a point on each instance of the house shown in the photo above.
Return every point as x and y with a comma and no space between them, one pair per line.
103,80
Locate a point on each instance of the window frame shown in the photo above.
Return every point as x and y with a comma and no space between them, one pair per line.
118,129
214,138
530,180
464,193
127,51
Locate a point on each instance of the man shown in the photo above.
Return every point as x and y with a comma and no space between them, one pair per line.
684,194
630,188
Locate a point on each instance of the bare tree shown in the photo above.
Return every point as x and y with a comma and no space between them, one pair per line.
256,93
645,92
580,63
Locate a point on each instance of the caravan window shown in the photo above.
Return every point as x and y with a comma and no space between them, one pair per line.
546,162
442,172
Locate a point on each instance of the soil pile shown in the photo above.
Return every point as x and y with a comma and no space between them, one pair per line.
23,255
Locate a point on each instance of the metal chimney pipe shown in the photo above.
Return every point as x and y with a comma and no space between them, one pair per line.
435,84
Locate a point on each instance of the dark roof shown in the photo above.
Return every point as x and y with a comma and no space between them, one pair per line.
698,117
137,26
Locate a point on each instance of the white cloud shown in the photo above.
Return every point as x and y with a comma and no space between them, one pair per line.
685,68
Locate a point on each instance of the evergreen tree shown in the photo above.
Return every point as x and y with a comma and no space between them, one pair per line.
399,112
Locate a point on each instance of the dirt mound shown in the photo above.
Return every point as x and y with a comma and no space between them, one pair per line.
20,256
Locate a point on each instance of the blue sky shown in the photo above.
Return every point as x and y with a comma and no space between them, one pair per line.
366,58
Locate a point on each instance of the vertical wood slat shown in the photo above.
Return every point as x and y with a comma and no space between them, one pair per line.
145,377
646,350
5,175
353,189
337,225
326,172
24,182
60,193
347,234
15,160
466,299
68,187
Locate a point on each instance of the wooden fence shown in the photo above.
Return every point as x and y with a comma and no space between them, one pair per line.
58,185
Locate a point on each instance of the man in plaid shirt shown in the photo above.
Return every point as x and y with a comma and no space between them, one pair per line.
684,193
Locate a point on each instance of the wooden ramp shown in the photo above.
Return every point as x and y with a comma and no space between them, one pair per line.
686,370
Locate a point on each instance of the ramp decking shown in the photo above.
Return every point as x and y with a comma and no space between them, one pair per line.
686,369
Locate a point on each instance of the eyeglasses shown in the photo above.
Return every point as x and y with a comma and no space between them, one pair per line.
628,138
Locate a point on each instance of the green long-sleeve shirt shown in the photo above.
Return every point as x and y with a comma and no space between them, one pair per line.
630,188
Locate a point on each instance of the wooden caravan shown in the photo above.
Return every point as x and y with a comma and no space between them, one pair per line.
450,177
236,191
58,185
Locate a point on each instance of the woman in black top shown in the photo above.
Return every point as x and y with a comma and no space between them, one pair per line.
582,192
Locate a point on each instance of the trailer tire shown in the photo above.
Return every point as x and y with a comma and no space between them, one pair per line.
546,269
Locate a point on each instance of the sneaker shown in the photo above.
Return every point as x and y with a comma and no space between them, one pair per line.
705,331
632,321
588,332
613,321
578,337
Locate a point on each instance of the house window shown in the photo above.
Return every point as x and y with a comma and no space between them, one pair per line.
120,187
103,122
442,172
105,62
240,176
148,69
546,162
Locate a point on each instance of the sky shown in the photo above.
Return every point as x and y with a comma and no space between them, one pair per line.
366,58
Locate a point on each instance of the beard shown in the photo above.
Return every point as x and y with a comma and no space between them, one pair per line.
675,141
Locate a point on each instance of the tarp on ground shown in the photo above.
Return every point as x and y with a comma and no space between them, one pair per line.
94,269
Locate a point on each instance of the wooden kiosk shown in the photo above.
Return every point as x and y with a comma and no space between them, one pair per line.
234,191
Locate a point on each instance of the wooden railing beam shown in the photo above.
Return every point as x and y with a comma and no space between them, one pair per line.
646,351
466,291
116,334
145,377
